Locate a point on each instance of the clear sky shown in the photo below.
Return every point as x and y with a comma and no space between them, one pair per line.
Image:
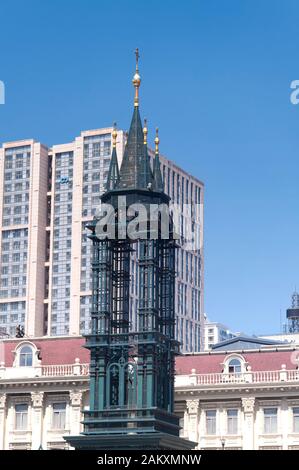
216,80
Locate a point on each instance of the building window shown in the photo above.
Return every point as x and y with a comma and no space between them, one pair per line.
234,366
232,421
211,421
26,356
270,420
21,411
296,419
58,421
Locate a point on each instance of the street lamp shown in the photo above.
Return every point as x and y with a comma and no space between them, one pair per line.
222,440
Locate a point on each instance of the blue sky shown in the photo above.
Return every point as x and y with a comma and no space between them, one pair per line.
216,80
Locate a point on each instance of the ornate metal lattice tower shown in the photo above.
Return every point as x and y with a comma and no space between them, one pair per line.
292,325
132,372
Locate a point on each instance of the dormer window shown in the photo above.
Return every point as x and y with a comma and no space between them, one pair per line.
26,356
234,366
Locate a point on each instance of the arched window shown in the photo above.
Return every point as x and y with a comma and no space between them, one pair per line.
234,366
121,383
26,356
114,379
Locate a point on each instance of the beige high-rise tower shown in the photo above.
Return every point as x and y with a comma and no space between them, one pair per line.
46,198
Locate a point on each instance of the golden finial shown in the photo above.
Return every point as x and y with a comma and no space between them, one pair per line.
157,141
136,80
114,135
145,131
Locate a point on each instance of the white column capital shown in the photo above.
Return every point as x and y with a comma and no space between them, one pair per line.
191,419
2,420
2,400
248,404
75,411
76,397
37,399
192,405
248,433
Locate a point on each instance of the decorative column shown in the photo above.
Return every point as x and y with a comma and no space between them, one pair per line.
37,419
285,421
75,411
221,422
248,425
192,425
2,420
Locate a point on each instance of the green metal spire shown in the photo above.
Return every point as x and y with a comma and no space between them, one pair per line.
132,365
113,174
135,171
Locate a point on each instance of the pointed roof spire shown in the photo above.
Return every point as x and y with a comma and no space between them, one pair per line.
158,180
113,174
135,172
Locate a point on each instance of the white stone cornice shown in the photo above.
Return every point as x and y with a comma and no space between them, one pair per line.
45,382
269,402
293,402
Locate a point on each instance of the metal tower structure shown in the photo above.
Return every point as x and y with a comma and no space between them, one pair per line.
132,372
292,325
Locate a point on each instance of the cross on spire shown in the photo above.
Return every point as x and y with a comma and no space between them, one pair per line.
137,57
136,79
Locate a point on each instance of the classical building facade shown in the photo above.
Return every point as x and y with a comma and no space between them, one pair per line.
43,389
231,399
47,196
240,398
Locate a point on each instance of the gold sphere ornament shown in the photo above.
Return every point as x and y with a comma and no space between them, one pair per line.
136,80
145,131
114,135
157,140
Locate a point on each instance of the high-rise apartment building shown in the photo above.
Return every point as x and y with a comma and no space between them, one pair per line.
214,333
47,196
